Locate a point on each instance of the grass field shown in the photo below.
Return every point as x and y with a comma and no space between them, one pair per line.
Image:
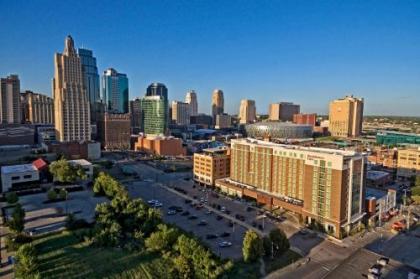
64,256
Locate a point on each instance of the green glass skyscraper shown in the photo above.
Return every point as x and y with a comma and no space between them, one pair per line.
154,115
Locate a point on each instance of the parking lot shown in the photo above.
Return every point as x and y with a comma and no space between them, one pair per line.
217,228
46,217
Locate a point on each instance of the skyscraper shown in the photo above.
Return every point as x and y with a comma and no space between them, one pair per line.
157,89
191,99
136,115
37,108
91,80
115,91
217,103
346,117
180,113
154,115
10,100
247,112
71,104
282,111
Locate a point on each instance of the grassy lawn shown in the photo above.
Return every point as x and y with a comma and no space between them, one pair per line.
62,255
287,258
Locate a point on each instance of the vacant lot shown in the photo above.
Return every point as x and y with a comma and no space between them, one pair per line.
62,255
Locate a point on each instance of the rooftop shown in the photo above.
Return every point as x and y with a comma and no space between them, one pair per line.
375,175
375,193
219,149
18,168
349,153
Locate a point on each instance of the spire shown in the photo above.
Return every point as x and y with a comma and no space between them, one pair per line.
69,46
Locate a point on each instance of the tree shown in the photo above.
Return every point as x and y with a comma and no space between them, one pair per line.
26,262
417,183
63,194
415,191
52,194
65,172
162,239
252,247
107,185
183,268
280,243
17,222
12,198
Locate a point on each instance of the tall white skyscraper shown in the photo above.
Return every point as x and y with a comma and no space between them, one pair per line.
71,104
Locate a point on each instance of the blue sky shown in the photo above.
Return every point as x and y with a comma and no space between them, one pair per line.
307,52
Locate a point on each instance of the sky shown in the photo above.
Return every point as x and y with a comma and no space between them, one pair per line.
307,52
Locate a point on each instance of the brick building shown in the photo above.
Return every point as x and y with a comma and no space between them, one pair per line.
114,131
211,164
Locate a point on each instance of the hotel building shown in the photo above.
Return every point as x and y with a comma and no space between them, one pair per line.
322,185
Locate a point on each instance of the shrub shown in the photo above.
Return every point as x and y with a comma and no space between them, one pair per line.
63,194
12,198
52,194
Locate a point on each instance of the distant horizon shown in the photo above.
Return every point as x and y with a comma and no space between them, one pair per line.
305,52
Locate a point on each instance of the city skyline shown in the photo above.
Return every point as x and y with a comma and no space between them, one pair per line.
287,52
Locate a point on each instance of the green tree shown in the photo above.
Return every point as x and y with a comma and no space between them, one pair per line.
107,185
162,239
12,198
63,194
252,247
17,222
280,243
183,268
417,183
26,262
415,191
52,194
64,172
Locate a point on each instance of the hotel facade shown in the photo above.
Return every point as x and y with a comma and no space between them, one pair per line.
322,185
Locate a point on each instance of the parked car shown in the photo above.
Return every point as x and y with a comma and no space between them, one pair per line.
171,212
225,244
192,217
219,217
399,225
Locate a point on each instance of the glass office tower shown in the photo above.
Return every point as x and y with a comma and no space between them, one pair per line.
154,115
115,91
91,79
